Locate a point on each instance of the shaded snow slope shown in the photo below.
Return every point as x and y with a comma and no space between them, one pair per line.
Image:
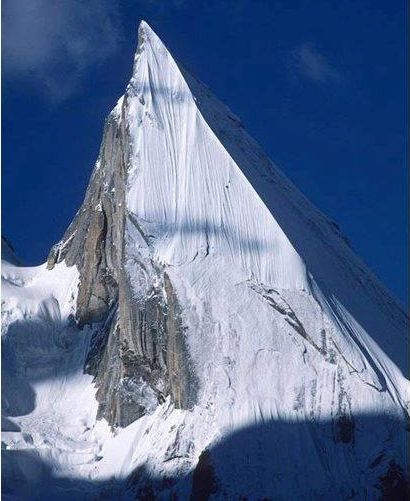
297,351
7,251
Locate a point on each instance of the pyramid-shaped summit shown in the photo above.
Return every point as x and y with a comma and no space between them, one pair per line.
215,337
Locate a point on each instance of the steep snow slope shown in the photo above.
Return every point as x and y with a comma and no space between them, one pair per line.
296,353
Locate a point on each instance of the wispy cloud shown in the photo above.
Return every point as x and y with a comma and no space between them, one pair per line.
313,65
51,44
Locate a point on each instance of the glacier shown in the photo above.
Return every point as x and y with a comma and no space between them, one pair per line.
201,331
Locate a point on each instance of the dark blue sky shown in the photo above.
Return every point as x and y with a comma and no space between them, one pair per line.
321,85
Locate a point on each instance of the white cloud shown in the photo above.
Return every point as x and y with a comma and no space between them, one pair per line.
313,65
51,44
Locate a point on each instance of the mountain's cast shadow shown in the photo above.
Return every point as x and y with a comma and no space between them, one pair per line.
274,460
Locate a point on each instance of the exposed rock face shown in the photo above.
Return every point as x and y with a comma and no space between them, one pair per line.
138,355
94,240
204,481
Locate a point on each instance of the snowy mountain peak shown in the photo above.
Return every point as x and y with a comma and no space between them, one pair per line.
194,202
145,30
148,40
201,330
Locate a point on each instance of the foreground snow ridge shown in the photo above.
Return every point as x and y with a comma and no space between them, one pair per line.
201,331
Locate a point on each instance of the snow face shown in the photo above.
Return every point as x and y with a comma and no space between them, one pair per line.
222,245
185,187
298,350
